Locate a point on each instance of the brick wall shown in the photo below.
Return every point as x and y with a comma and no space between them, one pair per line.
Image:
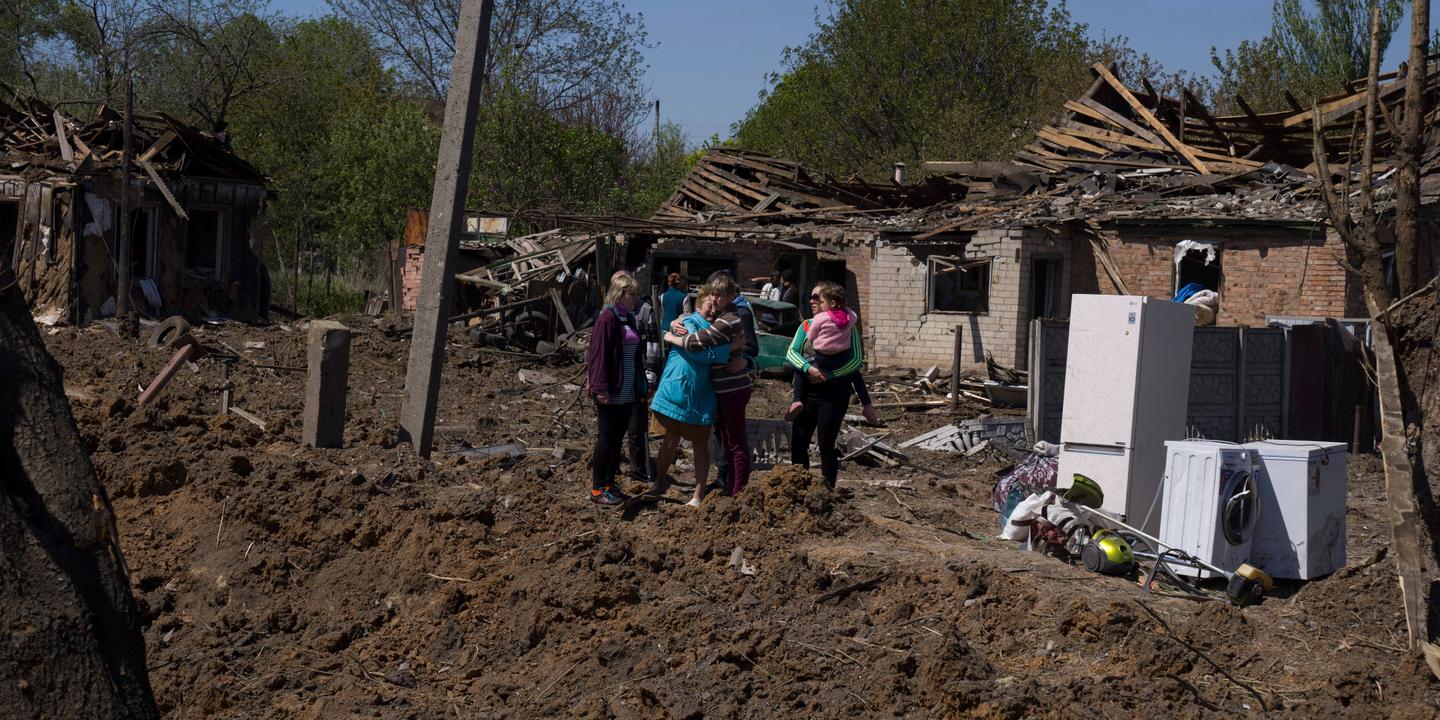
1282,271
410,270
753,258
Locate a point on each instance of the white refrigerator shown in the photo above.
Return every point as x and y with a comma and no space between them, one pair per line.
1127,389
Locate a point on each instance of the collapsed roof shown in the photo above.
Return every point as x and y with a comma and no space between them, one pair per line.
744,185
1116,153
37,137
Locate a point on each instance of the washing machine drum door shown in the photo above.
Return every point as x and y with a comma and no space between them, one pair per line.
1240,508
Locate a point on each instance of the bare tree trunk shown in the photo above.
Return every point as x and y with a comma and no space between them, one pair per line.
74,647
1414,556
1408,530
1407,178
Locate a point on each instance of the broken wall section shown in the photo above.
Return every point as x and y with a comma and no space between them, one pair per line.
910,325
44,249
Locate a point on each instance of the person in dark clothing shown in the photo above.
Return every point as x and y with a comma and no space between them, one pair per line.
637,437
614,363
788,292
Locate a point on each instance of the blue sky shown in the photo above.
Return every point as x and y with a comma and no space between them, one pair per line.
710,57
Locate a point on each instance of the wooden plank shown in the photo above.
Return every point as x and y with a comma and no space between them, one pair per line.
164,189
1092,133
561,311
1067,141
734,183
1102,253
1118,120
792,173
1329,112
66,152
1150,119
1038,161
158,146
765,204
1194,105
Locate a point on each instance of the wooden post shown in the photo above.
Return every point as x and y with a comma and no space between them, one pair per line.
442,238
225,387
1355,432
955,373
123,317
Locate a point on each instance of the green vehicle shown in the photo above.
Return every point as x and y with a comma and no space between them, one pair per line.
775,324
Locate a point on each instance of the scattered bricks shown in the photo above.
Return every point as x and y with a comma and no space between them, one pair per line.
326,386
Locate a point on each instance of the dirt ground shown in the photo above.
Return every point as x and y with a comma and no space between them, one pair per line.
281,581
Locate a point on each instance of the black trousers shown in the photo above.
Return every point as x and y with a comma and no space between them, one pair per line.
637,440
611,423
825,405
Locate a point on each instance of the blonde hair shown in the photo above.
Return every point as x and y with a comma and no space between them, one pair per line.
621,283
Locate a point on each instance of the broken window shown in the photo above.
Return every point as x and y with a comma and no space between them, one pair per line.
204,245
1197,263
958,285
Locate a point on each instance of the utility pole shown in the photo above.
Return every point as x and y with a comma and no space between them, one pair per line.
657,128
447,217
123,315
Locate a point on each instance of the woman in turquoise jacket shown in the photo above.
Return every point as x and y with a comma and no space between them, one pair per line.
684,403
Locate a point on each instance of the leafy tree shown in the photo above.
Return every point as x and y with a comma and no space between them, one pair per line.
216,52
1311,55
380,160
654,178
580,59
24,24
914,80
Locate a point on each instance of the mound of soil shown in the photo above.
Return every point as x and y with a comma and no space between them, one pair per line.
279,580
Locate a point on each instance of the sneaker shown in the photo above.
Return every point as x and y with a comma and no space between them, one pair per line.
794,412
694,502
609,496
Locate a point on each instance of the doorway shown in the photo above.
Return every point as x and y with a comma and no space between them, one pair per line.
9,230
1045,277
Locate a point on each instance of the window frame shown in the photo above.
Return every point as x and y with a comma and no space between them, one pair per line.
152,218
958,264
222,215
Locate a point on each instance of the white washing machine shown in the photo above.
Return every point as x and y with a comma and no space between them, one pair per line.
1210,505
1302,495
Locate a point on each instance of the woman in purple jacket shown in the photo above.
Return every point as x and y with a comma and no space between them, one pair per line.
615,366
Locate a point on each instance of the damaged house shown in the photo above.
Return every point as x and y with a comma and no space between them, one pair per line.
1134,193
194,222
1126,192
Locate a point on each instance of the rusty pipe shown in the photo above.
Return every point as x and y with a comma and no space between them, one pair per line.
182,355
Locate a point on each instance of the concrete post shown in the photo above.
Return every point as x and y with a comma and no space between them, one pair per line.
327,384
447,215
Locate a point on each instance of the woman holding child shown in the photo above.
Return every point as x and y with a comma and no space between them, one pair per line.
826,355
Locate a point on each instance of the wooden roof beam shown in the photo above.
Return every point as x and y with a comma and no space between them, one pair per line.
1151,120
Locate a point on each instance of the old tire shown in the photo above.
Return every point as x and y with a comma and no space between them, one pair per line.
168,331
